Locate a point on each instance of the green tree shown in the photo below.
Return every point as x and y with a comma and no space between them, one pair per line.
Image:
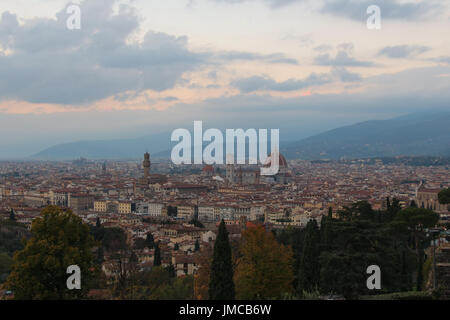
221,286
98,223
139,244
98,231
176,289
114,239
172,211
309,270
59,239
196,223
12,215
100,255
197,245
444,196
416,220
171,270
149,240
11,234
5,266
157,257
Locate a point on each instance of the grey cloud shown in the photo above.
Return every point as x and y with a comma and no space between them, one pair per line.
51,64
323,48
390,9
356,9
212,75
346,76
398,92
258,83
248,56
342,59
169,99
386,96
403,51
272,3
442,59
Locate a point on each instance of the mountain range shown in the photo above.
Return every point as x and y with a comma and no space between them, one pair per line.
411,135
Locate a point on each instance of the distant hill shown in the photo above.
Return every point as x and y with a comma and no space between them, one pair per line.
107,149
411,135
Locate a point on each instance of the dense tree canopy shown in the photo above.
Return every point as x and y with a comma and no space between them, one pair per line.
264,267
5,266
444,196
393,239
309,270
59,239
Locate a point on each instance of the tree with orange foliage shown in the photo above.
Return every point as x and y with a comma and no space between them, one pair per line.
264,267
202,276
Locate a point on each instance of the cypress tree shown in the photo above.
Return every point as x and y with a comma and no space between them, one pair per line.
171,270
419,280
197,245
221,286
149,240
12,215
309,271
100,255
157,258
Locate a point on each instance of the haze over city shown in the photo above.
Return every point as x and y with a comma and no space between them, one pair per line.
142,67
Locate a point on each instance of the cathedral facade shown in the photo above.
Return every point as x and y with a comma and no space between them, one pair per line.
250,174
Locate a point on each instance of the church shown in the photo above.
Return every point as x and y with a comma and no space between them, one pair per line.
250,174
151,178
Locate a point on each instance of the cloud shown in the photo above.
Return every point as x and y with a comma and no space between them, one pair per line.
41,61
442,59
248,56
275,4
258,83
381,97
346,76
323,48
342,59
403,51
390,9
51,64
356,9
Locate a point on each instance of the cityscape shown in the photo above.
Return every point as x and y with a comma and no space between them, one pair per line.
315,166
179,208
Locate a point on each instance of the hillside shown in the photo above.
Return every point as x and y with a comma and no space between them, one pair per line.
107,149
412,135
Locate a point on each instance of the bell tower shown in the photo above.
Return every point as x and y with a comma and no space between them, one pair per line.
146,164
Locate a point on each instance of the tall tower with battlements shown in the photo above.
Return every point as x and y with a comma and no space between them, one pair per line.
146,164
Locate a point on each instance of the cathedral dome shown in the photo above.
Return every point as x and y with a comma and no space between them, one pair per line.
281,160
208,169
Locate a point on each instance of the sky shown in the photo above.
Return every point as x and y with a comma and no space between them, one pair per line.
137,67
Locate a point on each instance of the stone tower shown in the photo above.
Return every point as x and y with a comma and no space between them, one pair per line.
146,164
